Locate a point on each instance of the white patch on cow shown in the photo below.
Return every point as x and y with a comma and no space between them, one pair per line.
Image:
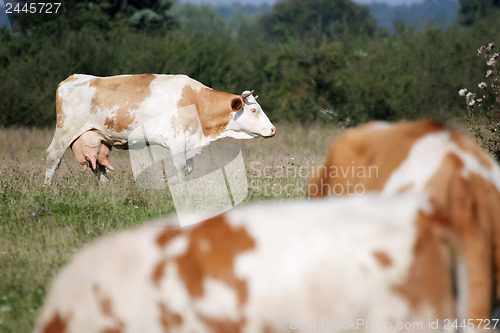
177,246
425,158
176,297
472,164
76,97
420,165
331,257
219,302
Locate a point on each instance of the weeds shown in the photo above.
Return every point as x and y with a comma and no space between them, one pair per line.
483,106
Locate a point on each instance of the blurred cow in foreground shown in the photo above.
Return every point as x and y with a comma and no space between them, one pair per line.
363,264
462,181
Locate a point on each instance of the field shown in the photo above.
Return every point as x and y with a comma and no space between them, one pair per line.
41,228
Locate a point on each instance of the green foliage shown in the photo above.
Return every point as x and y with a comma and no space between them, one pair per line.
315,18
471,11
308,60
202,20
149,14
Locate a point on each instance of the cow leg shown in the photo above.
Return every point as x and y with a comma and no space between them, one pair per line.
55,152
100,172
180,165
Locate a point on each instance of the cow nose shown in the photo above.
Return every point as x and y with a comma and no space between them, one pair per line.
273,131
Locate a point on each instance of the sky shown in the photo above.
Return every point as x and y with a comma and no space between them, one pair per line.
3,17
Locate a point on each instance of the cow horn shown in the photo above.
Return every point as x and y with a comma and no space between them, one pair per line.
246,94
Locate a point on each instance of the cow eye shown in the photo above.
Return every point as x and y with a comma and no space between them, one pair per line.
253,110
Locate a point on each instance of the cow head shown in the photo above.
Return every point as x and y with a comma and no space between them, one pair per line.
248,121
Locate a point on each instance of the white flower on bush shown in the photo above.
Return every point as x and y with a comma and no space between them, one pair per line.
493,60
489,72
462,92
470,99
482,85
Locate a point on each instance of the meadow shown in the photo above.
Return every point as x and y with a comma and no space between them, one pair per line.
41,228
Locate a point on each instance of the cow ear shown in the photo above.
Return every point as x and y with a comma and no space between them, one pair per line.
236,104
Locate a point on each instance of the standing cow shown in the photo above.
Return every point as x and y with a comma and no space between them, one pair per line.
175,111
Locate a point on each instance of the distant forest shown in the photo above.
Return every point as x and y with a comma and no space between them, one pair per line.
440,12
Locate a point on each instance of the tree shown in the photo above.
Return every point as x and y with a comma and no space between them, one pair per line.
303,19
202,20
142,14
471,11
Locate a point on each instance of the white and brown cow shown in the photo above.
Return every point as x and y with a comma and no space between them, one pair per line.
178,113
352,264
462,180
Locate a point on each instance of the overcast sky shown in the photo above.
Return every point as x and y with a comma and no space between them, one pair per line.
223,2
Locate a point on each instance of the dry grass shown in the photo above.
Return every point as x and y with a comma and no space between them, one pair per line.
40,228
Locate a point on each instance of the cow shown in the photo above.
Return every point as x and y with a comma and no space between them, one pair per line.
173,111
356,263
424,156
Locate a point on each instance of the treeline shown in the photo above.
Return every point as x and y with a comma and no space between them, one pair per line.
316,60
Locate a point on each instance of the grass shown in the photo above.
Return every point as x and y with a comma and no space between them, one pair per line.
41,228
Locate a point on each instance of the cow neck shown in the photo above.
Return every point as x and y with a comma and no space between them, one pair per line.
213,107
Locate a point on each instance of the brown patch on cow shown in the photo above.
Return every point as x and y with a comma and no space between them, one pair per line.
429,281
439,184
383,259
56,325
366,147
469,146
268,329
167,235
472,206
61,116
214,108
216,261
223,326
106,307
185,120
476,212
158,272
168,319
122,94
